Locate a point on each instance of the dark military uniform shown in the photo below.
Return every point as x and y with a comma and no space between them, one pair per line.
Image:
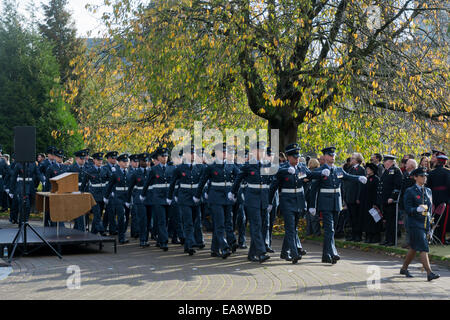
329,203
439,183
289,183
93,183
118,184
256,202
80,222
55,169
368,198
418,222
187,177
389,188
17,183
220,177
158,180
136,181
107,171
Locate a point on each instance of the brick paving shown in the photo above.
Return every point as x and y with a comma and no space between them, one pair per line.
150,273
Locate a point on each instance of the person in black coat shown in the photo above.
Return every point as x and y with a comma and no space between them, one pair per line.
368,199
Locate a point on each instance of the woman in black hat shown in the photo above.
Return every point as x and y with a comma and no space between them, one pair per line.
368,201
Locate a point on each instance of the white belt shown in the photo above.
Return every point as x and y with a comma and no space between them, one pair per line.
221,184
79,184
138,188
26,179
188,186
297,190
330,190
258,186
97,185
161,185
121,188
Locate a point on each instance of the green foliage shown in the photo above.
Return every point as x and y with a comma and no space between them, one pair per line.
29,73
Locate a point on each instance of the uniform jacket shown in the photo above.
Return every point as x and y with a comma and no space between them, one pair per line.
136,181
158,180
187,178
415,196
328,192
352,190
220,177
118,183
256,191
439,183
53,170
94,182
32,175
293,182
390,185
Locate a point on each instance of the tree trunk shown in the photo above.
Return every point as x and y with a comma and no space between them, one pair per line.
288,130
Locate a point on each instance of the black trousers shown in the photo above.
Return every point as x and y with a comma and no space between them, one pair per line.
442,228
389,216
356,220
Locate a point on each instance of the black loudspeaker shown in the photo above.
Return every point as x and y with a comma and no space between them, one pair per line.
25,144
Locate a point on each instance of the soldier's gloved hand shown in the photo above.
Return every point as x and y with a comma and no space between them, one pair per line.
127,204
196,200
141,198
176,199
326,172
231,197
169,202
112,194
362,179
7,191
291,170
11,195
105,200
312,211
420,209
269,208
205,195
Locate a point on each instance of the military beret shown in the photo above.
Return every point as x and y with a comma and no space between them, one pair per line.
112,154
389,157
123,157
420,171
98,155
329,150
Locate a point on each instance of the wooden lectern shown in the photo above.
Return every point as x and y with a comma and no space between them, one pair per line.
64,183
65,202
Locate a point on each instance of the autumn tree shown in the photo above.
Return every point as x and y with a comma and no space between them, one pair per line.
289,62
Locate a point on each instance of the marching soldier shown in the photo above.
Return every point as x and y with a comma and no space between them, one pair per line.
144,164
108,169
387,195
439,183
118,184
241,219
187,176
275,202
79,167
220,175
18,179
256,201
134,167
289,182
329,201
139,212
418,202
159,179
94,183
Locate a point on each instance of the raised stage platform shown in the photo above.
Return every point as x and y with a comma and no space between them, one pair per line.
66,236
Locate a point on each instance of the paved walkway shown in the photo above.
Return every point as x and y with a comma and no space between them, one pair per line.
135,273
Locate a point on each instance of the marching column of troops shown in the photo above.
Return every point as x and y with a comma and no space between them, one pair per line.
161,200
